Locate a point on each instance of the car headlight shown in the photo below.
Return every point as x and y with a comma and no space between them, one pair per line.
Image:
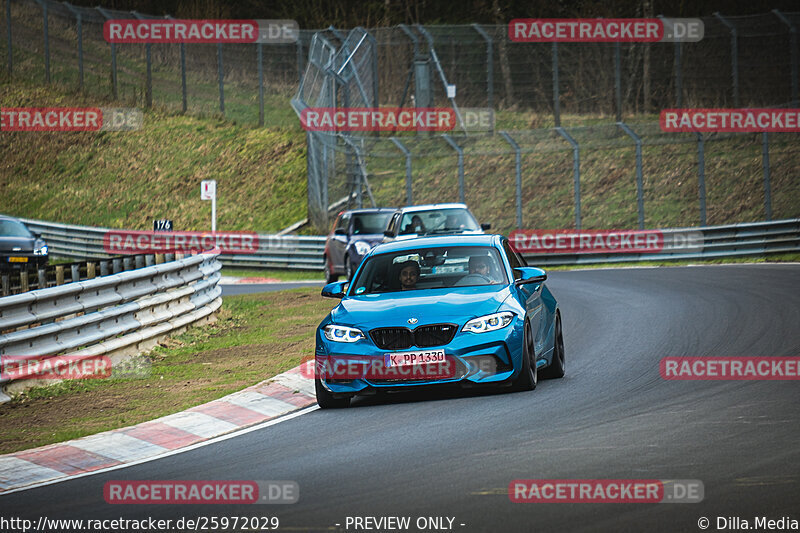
362,247
492,322
342,333
42,250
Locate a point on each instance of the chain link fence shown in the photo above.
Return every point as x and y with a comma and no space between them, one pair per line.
558,157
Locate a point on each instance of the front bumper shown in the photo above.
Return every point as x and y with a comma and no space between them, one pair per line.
22,261
480,359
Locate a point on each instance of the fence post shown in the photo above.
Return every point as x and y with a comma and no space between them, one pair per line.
618,80
299,59
767,185
260,49
792,52
75,273
148,90
221,81
701,176
639,180
518,174
24,286
8,33
457,148
80,43
489,66
43,4
113,57
734,57
407,153
42,275
59,274
677,67
556,90
576,168
183,72
5,281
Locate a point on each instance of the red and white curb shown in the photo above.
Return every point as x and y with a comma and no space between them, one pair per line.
268,400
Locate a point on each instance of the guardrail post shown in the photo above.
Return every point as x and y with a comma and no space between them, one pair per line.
159,258
460,152
59,274
80,43
407,153
701,176
168,258
792,52
517,174
260,48
639,179
576,168
556,90
116,266
91,270
221,80
8,34
767,185
114,87
42,275
6,284
148,94
149,260
104,271
128,263
75,272
24,286
734,57
139,261
489,66
618,80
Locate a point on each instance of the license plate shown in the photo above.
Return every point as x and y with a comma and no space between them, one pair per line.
422,357
17,259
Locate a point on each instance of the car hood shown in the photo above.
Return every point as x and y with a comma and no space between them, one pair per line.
429,306
25,244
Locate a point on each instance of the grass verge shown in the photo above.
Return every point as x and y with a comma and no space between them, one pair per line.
283,275
256,336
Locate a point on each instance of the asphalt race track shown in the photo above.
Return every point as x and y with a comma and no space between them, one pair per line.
612,416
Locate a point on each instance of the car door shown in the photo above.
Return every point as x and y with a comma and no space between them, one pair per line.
532,297
339,242
392,228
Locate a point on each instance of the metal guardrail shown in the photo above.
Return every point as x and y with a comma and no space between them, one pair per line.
733,240
305,252
274,251
109,315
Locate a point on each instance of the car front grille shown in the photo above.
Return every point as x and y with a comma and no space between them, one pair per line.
422,337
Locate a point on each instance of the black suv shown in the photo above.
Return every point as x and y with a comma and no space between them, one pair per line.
353,235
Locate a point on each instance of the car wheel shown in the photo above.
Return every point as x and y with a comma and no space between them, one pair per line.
330,277
556,368
528,376
348,267
325,399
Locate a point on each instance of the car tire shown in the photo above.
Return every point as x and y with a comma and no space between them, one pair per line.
348,268
325,399
528,376
330,277
556,368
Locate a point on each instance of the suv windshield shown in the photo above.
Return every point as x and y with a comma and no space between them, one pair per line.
430,268
365,223
438,221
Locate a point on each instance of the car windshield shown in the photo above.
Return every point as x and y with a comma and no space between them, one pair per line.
364,223
438,221
430,268
12,228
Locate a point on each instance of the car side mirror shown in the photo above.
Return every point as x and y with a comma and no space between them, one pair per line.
335,290
36,235
525,275
388,233
340,231
486,227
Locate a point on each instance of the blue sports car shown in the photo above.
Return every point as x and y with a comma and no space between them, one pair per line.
458,309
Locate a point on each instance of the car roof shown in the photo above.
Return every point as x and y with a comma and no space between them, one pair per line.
367,210
6,217
439,240
428,207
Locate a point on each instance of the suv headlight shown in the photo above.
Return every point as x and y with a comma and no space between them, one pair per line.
342,333
41,250
362,247
492,322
